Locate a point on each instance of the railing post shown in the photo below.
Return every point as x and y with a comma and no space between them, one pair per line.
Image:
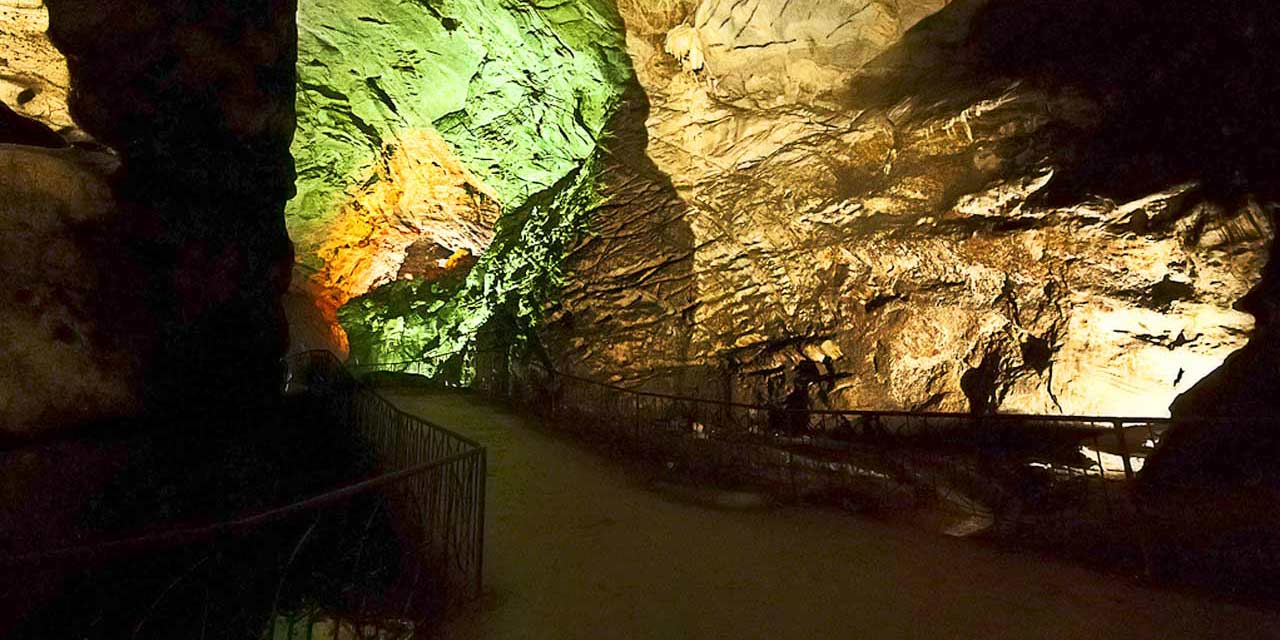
1123,448
1132,504
635,421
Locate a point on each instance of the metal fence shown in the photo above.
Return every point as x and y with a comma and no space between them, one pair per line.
439,493
1065,482
1068,485
377,557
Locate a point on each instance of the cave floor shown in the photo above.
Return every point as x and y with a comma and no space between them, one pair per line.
579,546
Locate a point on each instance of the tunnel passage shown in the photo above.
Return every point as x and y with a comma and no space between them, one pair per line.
906,190
913,191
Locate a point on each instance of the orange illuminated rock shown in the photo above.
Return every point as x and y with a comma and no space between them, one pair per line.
420,215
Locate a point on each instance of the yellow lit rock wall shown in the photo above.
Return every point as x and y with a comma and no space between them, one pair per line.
847,183
33,73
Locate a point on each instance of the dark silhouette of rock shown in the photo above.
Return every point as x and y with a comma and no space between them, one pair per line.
16,129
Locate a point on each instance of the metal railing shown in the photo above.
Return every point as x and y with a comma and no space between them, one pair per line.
377,557
439,496
1022,473
1070,485
1116,447
1064,484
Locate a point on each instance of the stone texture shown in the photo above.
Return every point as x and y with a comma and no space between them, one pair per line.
63,365
771,52
515,96
420,203
978,205
930,229
197,99
33,74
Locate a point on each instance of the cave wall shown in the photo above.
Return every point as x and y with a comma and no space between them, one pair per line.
147,255
982,206
34,80
975,205
498,108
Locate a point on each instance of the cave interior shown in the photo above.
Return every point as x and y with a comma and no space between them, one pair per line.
969,208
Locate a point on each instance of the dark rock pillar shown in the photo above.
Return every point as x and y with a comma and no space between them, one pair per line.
197,97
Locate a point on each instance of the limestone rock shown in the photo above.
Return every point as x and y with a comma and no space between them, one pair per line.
878,202
33,73
785,51
62,366
935,205
509,99
420,203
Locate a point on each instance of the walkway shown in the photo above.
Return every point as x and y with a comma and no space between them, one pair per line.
579,548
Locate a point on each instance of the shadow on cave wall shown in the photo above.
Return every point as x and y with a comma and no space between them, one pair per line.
1185,90
638,240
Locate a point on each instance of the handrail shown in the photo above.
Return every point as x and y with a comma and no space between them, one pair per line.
187,535
337,384
340,366
1108,420
870,412
1064,491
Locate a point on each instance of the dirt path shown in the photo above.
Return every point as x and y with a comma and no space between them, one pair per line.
579,548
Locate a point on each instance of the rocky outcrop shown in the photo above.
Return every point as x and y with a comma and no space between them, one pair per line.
498,107
166,295
33,73
418,217
970,205
63,366
931,212
767,53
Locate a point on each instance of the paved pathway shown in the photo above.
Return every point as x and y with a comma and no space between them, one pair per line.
580,548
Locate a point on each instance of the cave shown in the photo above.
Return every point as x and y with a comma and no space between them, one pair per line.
710,294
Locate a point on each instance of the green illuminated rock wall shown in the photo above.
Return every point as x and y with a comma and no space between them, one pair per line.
522,91
406,320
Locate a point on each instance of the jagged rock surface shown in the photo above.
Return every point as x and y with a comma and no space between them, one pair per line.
33,73
514,98
940,205
923,228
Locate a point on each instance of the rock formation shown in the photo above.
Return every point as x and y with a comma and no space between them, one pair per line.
143,266
967,206
499,106
62,366
33,73
933,231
